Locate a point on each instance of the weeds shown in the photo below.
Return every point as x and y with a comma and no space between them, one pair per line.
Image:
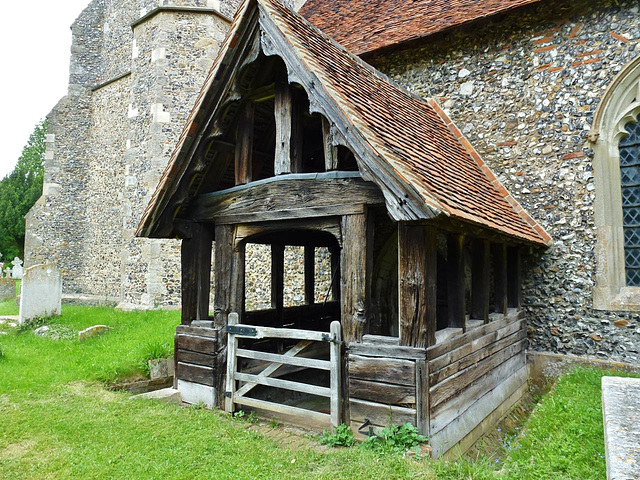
341,437
395,439
155,350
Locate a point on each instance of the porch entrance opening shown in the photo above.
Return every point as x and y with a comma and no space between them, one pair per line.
284,350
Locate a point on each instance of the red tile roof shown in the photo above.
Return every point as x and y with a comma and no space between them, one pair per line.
414,137
364,26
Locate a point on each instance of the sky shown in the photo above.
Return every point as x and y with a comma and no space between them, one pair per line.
37,40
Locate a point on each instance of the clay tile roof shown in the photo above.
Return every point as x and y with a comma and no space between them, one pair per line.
412,134
364,26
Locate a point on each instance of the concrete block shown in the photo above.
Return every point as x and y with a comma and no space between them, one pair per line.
41,292
195,393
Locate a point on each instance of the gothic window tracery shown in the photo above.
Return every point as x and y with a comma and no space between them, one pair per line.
630,185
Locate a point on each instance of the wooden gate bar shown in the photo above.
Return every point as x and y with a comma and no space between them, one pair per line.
284,359
286,384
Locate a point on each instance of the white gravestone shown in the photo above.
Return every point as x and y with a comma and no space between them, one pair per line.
17,271
40,292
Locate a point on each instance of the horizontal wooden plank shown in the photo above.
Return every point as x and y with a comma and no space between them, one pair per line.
270,332
285,194
291,214
454,384
197,344
196,331
476,357
476,413
442,348
380,340
446,412
297,413
285,384
285,359
196,374
488,424
185,356
387,370
382,392
386,351
380,414
474,345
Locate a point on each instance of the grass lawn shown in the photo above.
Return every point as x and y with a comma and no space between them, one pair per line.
59,422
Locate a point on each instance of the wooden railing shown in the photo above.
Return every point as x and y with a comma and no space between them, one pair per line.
267,376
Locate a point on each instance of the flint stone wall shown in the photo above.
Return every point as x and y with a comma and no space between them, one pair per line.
109,139
40,293
524,92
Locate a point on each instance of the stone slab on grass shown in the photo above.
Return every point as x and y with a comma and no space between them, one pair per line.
40,292
166,394
7,289
92,332
621,411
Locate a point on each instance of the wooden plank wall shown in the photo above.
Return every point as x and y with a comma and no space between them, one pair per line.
196,349
382,381
471,375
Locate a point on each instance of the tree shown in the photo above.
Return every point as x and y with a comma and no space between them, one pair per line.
19,191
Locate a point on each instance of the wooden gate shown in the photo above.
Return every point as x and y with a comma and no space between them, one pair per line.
266,377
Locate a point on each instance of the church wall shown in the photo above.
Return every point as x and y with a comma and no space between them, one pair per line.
107,147
524,92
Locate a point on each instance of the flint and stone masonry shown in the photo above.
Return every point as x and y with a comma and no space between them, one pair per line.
524,88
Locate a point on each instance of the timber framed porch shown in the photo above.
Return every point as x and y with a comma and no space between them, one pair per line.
295,142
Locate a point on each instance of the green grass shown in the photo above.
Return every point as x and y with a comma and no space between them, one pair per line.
562,439
59,422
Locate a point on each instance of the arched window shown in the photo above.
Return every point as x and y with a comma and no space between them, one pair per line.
616,144
629,148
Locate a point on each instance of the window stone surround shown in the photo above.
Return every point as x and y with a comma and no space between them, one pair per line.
619,106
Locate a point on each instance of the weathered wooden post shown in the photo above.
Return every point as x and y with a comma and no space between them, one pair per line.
336,373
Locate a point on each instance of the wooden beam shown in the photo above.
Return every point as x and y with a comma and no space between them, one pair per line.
229,275
309,275
354,280
417,265
500,277
456,281
330,151
480,280
283,107
283,196
335,273
196,274
514,278
244,145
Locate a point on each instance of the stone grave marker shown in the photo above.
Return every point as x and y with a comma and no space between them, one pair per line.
7,289
40,292
17,271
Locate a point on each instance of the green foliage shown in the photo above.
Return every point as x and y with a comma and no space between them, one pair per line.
154,350
1,353
19,191
342,436
395,439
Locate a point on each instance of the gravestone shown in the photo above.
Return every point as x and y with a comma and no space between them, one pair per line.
7,289
621,414
40,292
17,271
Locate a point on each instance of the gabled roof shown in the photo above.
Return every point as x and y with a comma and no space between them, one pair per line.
405,144
364,26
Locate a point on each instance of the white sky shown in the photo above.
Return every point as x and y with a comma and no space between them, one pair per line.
36,39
